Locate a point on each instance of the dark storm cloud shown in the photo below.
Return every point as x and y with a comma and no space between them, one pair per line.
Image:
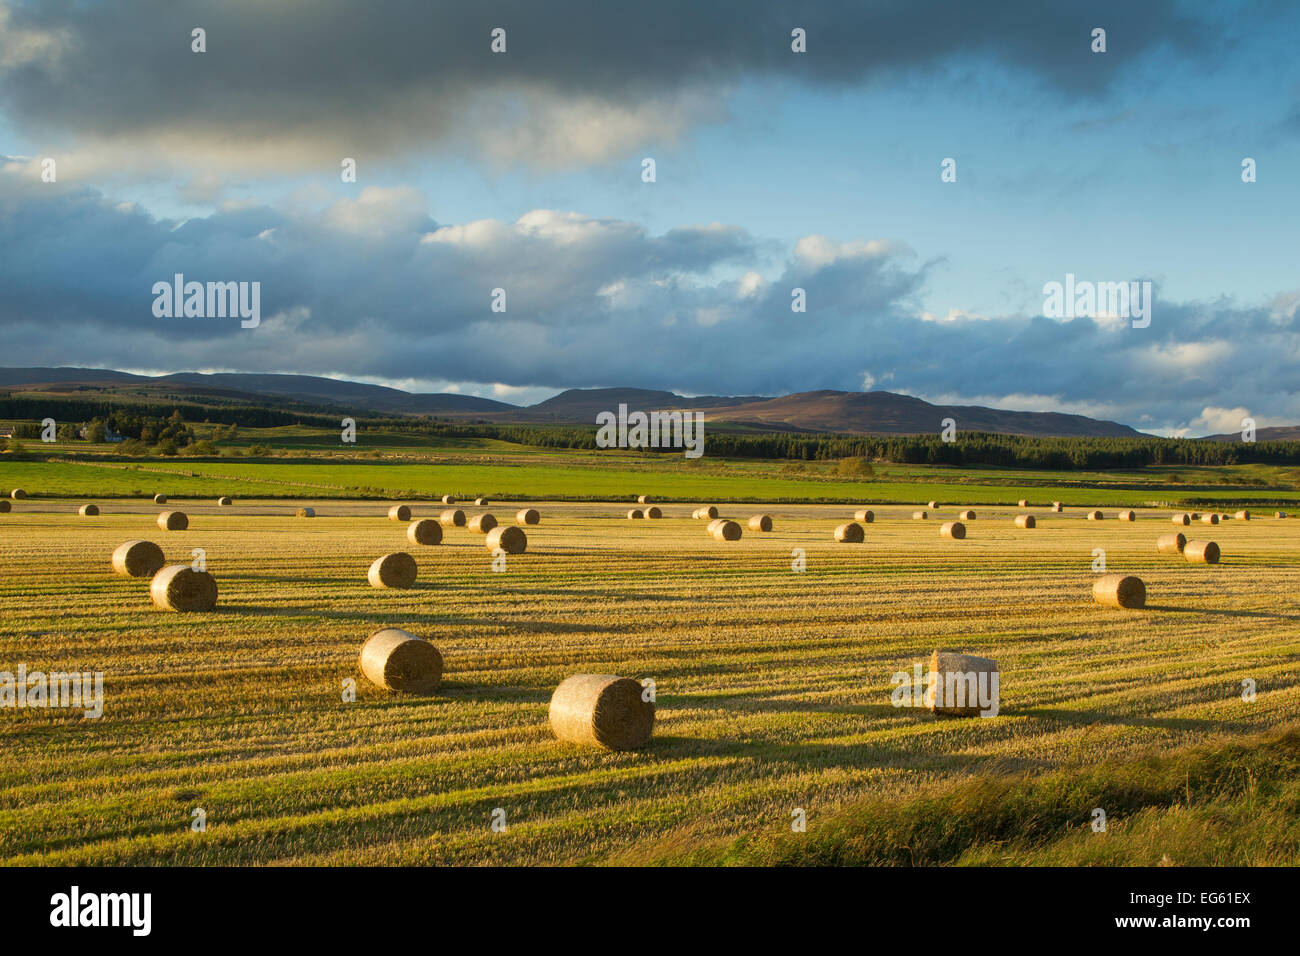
374,288
579,79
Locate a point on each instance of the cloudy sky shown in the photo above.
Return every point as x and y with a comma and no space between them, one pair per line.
774,170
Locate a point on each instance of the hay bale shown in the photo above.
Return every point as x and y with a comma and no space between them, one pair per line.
1120,590
866,517
1127,516
964,699
602,710
482,523
1057,506
399,513
448,499
173,520
919,516
724,530
934,506
88,511
1025,521
1095,516
224,501
1194,516
850,533
424,531
1171,543
953,529
643,499
1210,519
397,660
966,515
452,518
160,499
17,494
713,524
4,506
178,587
138,559
508,538
480,502
396,570
1201,552
1276,514
306,512
653,512
1242,516
1023,503
710,512
1183,519
635,513
527,516
760,523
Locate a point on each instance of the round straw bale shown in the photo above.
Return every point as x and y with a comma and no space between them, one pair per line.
480,502
482,523
954,696
850,533
1183,518
1025,521
1127,516
138,559
508,538
953,529
452,518
396,570
17,494
919,516
602,710
1057,506
306,512
1171,543
397,660
224,501
178,587
88,510
1023,503
1279,514
424,531
400,513
160,499
1194,516
726,530
1120,590
1201,552
4,505
1210,519
643,499
760,523
635,513
866,517
1095,516
653,512
448,499
967,516
710,512
527,516
934,506
1242,516
173,520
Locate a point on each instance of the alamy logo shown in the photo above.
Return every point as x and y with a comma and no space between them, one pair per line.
55,689
1075,300
656,430
947,690
75,908
213,300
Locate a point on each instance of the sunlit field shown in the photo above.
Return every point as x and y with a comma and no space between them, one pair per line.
772,684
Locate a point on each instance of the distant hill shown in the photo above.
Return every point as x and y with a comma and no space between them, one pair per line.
1272,433
863,413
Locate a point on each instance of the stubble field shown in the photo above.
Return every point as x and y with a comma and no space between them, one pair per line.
773,686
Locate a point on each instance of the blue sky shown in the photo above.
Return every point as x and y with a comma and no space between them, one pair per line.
819,168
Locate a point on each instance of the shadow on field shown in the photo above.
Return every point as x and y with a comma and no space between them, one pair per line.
1225,612
856,755
423,617
1085,718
